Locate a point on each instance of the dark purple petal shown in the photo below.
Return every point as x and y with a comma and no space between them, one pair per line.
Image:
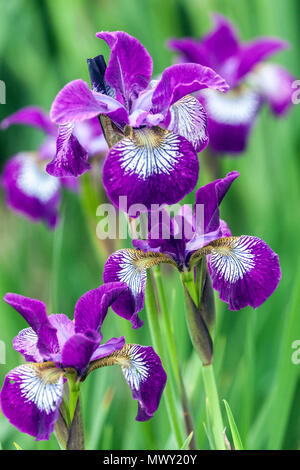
188,119
78,350
221,44
26,344
244,270
130,66
190,50
47,343
71,158
31,116
30,190
146,377
32,310
31,397
211,197
256,51
105,349
274,83
180,80
76,102
97,68
91,308
154,166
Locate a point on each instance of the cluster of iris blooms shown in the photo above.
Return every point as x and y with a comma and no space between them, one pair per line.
150,133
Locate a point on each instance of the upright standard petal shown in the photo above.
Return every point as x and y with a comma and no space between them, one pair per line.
152,166
145,375
255,52
31,116
129,68
71,158
32,310
244,270
91,308
31,397
129,266
211,197
180,80
76,102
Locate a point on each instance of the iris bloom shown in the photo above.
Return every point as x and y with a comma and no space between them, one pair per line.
244,270
29,189
252,81
56,347
157,127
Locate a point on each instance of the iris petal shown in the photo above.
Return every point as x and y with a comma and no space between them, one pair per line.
31,396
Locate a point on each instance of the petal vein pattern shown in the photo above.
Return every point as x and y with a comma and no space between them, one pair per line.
149,154
137,370
234,261
36,389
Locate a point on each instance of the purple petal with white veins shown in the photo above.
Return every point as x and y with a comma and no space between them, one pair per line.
71,158
30,190
211,197
244,270
105,349
91,308
26,344
79,349
154,166
146,377
188,119
255,52
129,266
31,116
129,68
230,118
32,310
31,397
182,79
76,102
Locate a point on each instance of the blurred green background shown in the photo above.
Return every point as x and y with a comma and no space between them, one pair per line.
43,45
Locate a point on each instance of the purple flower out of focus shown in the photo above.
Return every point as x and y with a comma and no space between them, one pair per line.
55,346
252,81
159,126
244,270
29,189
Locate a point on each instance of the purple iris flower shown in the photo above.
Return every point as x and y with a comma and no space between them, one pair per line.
157,126
54,346
29,189
252,81
244,270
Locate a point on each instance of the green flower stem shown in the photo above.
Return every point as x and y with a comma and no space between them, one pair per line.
74,391
173,356
214,406
152,315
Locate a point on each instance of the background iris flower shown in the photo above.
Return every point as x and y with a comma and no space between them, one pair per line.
252,81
